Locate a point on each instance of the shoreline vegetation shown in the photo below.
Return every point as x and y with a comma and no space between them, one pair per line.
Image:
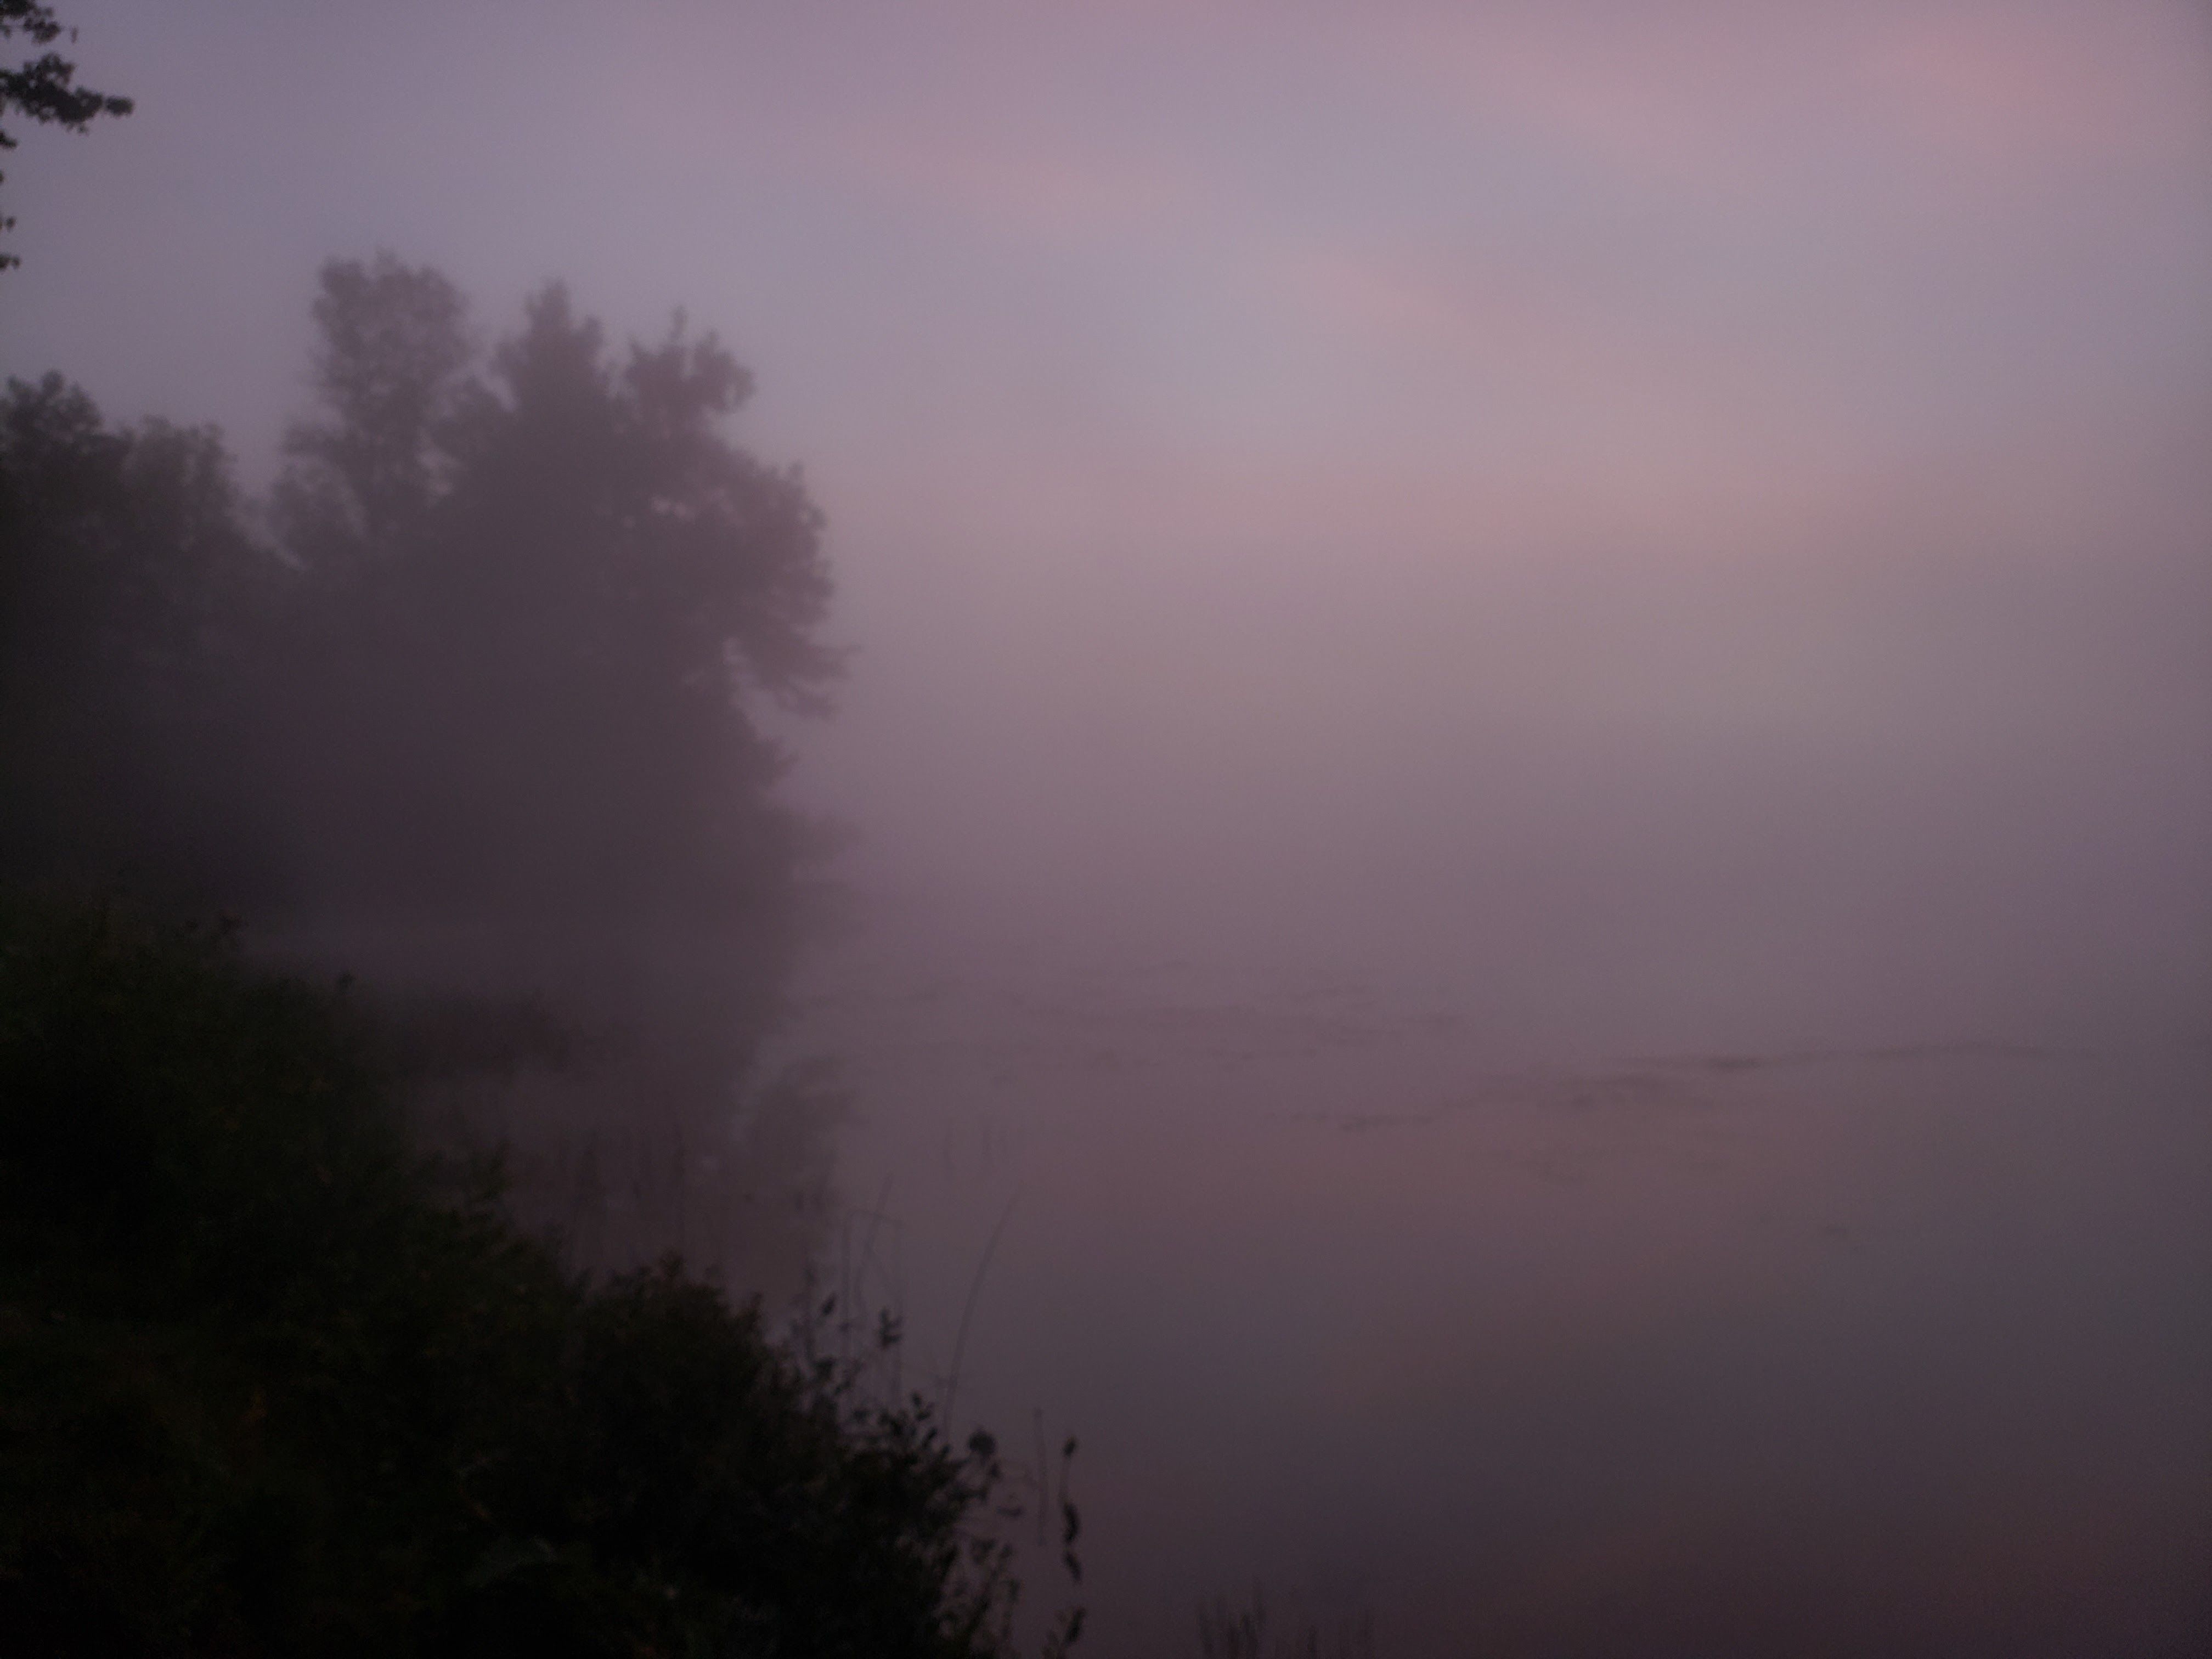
277,1381
363,1292
310,1342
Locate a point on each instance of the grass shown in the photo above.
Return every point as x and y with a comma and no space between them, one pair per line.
1227,1631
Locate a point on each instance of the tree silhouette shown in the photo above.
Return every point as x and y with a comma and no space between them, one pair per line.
537,610
125,573
482,720
388,368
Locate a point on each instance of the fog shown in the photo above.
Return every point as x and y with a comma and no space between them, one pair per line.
1508,875
1895,774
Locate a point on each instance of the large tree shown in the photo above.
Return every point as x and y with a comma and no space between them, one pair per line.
541,606
392,348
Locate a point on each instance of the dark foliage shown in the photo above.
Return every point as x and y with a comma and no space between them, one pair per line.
128,589
44,87
270,1384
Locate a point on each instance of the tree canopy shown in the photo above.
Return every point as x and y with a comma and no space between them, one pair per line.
536,602
126,571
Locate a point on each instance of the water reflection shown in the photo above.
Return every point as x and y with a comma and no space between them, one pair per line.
632,1115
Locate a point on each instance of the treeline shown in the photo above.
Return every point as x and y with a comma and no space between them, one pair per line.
468,707
493,647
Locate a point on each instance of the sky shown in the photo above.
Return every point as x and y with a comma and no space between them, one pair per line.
1712,491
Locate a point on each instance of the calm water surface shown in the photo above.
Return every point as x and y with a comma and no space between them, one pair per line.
1353,1298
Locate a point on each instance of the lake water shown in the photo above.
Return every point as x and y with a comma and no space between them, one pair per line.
1446,1337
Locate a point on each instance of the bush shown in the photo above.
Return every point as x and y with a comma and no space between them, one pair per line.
271,1383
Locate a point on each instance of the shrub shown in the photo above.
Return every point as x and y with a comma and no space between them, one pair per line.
272,1384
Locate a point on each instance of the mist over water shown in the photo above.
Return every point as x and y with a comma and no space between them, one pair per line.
1365,1298
1645,1097
1509,880
1665,1112
1902,771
